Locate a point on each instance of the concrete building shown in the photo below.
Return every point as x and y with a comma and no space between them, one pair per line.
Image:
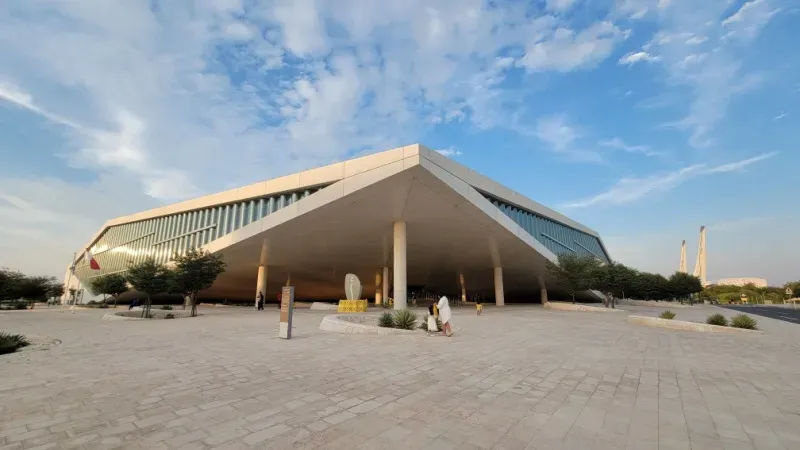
402,219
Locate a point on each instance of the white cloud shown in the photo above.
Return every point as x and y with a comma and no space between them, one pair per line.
43,221
748,21
621,145
566,50
739,165
780,116
632,58
450,152
561,137
630,190
701,63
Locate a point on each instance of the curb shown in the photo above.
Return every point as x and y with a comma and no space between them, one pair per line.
685,326
558,306
336,324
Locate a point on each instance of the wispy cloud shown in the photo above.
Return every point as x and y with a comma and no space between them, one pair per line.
560,136
635,57
749,19
739,165
780,116
619,144
630,190
450,152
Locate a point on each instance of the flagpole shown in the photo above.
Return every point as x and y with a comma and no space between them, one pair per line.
69,278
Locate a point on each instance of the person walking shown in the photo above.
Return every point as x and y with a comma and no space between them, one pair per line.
479,306
445,315
260,306
432,327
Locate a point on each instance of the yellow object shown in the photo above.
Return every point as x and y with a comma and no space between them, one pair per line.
479,307
435,310
351,306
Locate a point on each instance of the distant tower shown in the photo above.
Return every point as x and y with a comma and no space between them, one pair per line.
700,265
682,267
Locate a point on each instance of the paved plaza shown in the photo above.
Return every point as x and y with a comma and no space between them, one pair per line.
514,378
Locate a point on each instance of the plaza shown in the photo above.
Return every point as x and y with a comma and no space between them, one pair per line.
516,377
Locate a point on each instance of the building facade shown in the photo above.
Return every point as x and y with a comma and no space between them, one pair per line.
403,219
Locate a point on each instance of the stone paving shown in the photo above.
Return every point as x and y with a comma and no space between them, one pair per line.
514,378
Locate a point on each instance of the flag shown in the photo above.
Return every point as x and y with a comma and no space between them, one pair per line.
92,262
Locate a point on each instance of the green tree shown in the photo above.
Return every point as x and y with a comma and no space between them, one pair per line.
683,285
575,273
196,271
149,278
11,283
613,279
113,284
650,286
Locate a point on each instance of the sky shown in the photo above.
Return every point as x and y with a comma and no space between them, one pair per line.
642,119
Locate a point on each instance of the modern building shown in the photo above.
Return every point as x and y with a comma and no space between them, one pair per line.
403,219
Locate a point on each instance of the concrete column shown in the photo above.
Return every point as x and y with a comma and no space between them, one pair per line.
463,288
543,295
499,293
385,288
378,289
261,283
400,293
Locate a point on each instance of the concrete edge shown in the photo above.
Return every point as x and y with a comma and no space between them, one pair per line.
685,326
656,304
558,306
322,306
337,325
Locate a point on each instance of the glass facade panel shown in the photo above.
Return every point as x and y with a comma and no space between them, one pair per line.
161,237
555,236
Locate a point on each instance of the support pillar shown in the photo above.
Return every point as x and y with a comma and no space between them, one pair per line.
463,288
378,289
543,295
385,288
400,288
261,283
499,293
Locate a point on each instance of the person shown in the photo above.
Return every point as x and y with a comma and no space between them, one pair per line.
445,315
260,301
432,327
134,304
479,306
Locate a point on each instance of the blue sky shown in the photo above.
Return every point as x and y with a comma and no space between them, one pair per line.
643,119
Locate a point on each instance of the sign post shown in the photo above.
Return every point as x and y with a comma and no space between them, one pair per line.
287,309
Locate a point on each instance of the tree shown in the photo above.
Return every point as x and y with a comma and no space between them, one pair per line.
149,278
56,290
613,279
113,285
575,273
195,271
651,286
683,284
11,283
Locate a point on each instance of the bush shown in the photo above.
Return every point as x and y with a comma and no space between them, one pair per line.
20,305
9,343
169,315
717,319
405,319
744,321
667,315
386,320
166,308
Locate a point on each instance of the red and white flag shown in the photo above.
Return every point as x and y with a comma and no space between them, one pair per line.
92,262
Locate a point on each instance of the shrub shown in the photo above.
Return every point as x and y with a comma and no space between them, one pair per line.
20,305
9,343
743,321
166,308
169,316
667,315
386,320
405,319
717,319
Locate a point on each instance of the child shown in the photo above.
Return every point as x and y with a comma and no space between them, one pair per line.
432,327
479,306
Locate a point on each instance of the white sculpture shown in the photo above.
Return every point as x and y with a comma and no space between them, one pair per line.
352,287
